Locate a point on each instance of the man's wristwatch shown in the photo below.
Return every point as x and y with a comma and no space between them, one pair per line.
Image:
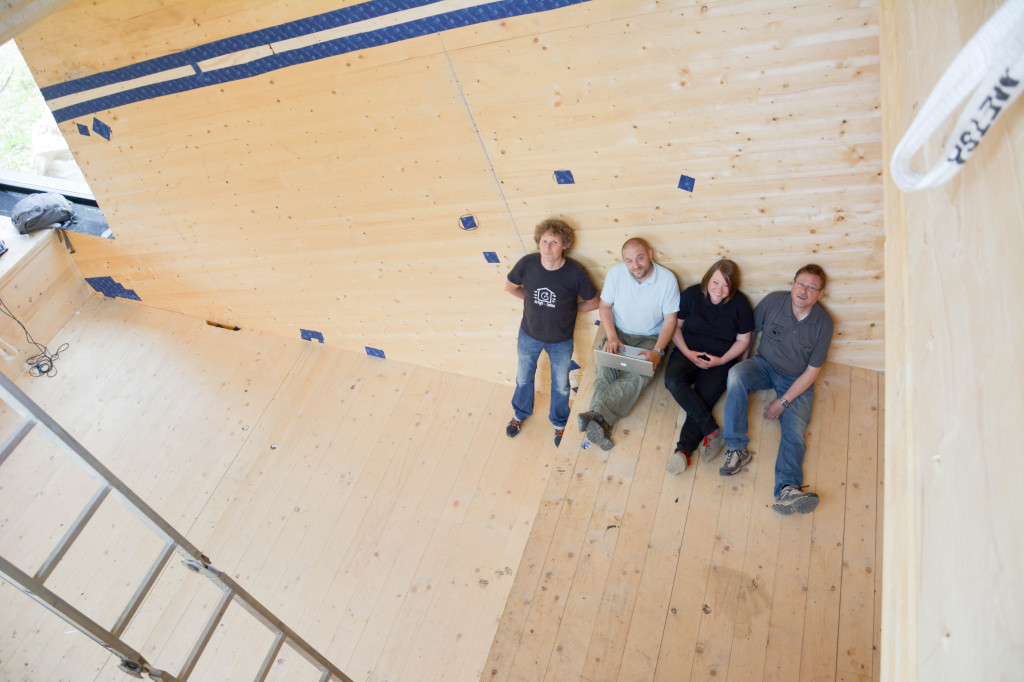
660,352
785,403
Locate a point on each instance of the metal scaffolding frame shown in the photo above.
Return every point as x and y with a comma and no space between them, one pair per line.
132,662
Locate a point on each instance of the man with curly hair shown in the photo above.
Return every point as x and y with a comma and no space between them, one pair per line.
553,288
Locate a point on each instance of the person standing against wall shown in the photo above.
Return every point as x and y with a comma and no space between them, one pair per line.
553,288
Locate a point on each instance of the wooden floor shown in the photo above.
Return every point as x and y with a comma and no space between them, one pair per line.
379,509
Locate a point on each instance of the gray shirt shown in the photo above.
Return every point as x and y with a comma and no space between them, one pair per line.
789,345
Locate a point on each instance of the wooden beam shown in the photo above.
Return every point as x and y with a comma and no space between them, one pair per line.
16,16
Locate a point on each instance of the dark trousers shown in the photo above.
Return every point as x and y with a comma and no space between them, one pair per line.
696,390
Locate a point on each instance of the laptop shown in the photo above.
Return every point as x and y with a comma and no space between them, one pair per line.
630,360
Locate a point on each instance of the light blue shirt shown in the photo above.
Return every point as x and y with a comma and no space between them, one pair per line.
640,307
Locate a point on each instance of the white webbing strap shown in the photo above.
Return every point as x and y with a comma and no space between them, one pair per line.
992,64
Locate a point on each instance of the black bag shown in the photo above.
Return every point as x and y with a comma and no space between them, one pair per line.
39,211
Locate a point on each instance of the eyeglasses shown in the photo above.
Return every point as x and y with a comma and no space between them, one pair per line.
807,287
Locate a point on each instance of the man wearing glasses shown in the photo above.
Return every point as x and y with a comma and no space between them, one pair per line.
795,335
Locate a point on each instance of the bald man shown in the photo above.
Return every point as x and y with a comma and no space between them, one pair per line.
639,305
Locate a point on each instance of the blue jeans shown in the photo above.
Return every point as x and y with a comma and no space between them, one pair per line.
756,374
560,354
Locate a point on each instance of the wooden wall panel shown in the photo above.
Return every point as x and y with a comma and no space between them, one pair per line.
952,592
326,196
43,289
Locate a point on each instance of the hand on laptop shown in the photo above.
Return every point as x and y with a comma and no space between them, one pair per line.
611,346
651,356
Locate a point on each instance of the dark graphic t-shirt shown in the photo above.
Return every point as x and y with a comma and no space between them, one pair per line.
549,311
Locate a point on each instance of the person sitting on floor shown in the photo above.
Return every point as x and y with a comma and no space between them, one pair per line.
795,335
638,308
715,327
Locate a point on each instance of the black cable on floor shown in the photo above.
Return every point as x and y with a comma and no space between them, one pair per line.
43,363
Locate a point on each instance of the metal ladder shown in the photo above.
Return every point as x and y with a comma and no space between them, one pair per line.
132,662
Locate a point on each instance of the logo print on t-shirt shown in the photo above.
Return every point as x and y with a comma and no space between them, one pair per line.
544,296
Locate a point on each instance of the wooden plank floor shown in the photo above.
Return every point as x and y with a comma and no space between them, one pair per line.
379,509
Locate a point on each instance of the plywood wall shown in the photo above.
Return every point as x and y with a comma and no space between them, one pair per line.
954,521
43,289
327,196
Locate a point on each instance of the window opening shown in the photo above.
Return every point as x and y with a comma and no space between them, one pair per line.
34,156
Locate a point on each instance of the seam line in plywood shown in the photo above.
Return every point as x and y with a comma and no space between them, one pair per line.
476,129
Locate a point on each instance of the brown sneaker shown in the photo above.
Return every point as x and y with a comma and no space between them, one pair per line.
792,499
598,435
734,461
584,418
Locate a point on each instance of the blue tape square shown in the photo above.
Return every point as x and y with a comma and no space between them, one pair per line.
573,366
564,177
309,335
491,257
83,129
375,352
686,182
101,128
468,222
111,289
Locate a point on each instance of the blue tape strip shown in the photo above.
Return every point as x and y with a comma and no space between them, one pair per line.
375,352
244,41
468,222
686,182
111,289
83,129
573,366
491,257
564,177
412,29
309,335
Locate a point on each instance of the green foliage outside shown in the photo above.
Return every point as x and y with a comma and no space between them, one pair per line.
21,105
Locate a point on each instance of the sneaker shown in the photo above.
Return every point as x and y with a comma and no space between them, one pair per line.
584,418
512,430
712,446
734,461
678,462
792,499
558,436
597,435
